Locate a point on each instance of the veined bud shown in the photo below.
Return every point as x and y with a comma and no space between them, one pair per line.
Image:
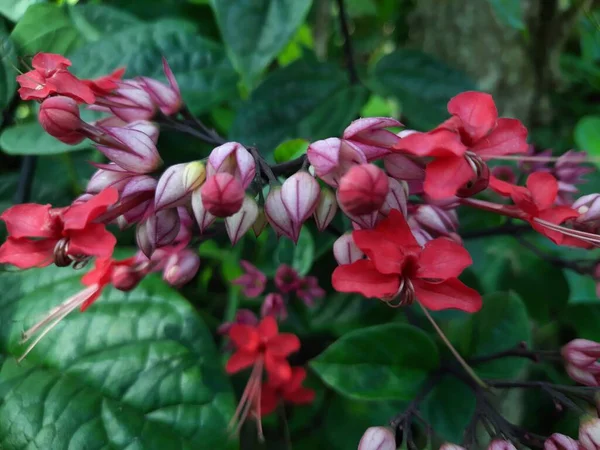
163,227
377,438
274,305
397,197
142,239
138,194
590,376
232,158
222,195
581,352
173,188
181,267
589,434
371,135
260,223
363,189
560,442
204,219
501,444
326,209
588,207
404,168
238,224
345,250
148,128
131,102
125,278
449,446
332,158
59,116
167,98
131,149
103,179
277,214
299,195
194,175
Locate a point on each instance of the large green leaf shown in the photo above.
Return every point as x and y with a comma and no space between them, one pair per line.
509,12
31,139
14,9
93,21
587,135
256,31
136,370
305,100
385,362
584,317
8,71
421,83
500,325
299,256
201,67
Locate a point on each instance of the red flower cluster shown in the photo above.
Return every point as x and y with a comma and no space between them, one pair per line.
399,268
292,392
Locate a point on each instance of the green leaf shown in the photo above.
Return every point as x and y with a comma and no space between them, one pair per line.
421,83
46,28
31,139
502,324
201,67
509,12
582,288
291,149
299,256
14,9
587,136
93,21
255,32
305,100
135,370
374,364
449,408
584,318
8,71
295,49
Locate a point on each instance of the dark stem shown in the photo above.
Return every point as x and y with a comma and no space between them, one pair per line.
507,228
289,167
212,134
23,194
286,428
350,65
518,352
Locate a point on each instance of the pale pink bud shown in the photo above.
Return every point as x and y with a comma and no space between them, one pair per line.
364,221
404,168
363,189
589,376
234,159
253,281
372,137
332,158
589,434
130,102
125,278
222,195
286,279
204,219
181,267
345,250
59,116
588,207
238,224
560,442
103,179
187,223
177,183
136,152
162,227
501,444
138,194
142,239
397,197
277,214
326,209
449,446
377,438
167,98
299,195
260,223
274,305
432,221
581,352
148,128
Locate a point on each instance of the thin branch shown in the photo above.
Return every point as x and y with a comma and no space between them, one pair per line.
23,194
518,352
350,64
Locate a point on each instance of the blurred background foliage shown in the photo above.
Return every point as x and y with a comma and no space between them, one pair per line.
274,74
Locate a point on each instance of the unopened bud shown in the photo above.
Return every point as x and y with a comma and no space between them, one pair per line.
277,214
299,195
194,175
363,189
204,219
404,168
326,209
372,137
560,442
222,195
588,207
232,158
181,267
59,116
142,239
103,179
163,227
274,305
260,223
449,446
589,434
397,197
377,438
238,224
581,352
501,444
177,183
345,250
589,376
332,158
135,152
125,277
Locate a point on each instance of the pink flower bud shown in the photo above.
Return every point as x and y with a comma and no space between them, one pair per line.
377,438
234,159
404,168
345,250
181,267
432,221
103,179
138,194
167,98
177,183
277,214
136,152
125,278
286,279
299,195
142,239
59,116
274,305
397,197
589,376
185,229
560,442
363,189
238,224
326,209
449,446
204,219
222,195
581,353
130,102
332,158
372,137
253,281
588,207
260,223
162,227
589,434
501,444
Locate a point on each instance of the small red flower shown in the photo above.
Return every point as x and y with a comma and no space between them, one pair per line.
262,343
399,268
291,392
104,85
39,234
458,144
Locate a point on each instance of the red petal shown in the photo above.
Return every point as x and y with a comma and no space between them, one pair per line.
556,215
69,85
26,253
477,112
439,142
451,294
300,396
443,259
279,369
295,383
49,62
362,277
267,328
78,216
94,240
283,344
268,400
544,189
395,229
444,176
245,337
501,187
508,138
522,198
239,361
29,220
101,272
386,256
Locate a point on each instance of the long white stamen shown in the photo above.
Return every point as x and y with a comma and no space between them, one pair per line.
582,235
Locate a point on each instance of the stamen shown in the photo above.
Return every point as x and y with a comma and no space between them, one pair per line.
61,258
582,235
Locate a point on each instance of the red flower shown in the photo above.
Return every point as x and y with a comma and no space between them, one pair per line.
397,267
458,144
104,85
262,343
39,235
50,75
291,391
